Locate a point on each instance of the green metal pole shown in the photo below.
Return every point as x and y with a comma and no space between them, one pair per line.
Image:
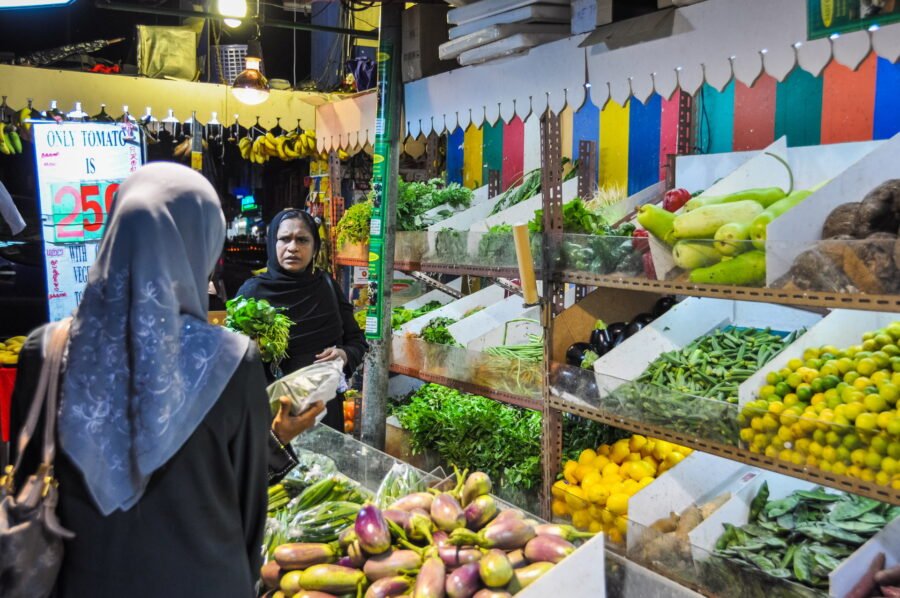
385,169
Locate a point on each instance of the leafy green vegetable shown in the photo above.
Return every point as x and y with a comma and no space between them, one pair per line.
580,433
263,323
353,226
496,247
436,332
415,199
803,536
451,246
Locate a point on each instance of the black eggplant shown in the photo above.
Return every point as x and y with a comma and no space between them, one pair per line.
632,329
616,328
643,319
575,353
663,304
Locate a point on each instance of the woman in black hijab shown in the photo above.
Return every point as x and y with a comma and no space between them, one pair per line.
324,328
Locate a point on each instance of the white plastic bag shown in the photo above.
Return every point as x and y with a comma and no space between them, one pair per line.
316,382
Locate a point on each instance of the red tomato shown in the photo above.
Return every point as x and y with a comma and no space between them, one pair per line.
674,199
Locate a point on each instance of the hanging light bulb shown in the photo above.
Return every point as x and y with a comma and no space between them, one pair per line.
233,8
250,86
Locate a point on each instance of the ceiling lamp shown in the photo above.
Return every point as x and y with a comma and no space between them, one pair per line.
32,3
233,8
250,86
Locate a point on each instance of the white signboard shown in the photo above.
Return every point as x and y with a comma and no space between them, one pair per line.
79,169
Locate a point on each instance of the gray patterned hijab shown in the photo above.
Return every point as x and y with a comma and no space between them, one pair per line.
144,366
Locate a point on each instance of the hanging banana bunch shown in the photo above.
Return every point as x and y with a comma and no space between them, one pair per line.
293,146
10,142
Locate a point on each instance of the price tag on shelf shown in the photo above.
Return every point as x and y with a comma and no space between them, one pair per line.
79,169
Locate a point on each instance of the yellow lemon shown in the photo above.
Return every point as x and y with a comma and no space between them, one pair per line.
617,504
637,442
622,525
560,508
581,519
587,457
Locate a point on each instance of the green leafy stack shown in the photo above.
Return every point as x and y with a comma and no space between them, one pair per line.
263,323
804,536
436,332
354,224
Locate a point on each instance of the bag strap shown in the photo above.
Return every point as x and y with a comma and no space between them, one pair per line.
45,397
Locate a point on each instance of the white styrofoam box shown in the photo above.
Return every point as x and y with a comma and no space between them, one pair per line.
695,481
510,46
737,510
486,328
582,574
492,33
811,164
852,569
434,295
536,13
488,8
689,319
841,328
523,211
456,310
587,15
792,233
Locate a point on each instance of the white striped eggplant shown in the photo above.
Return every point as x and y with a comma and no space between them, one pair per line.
495,569
440,538
463,581
392,564
300,555
551,549
387,587
372,530
489,593
430,581
526,576
416,500
477,484
400,518
480,512
447,513
332,578
457,556
508,533
566,532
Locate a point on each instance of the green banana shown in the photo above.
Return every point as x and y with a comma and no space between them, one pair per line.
16,142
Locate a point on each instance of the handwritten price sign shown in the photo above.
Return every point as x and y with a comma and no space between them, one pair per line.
80,210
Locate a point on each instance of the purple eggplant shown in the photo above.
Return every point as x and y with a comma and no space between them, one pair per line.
416,500
391,564
372,530
489,593
270,574
345,561
600,339
387,587
300,555
477,484
463,582
566,532
517,558
440,538
356,555
526,576
495,569
551,549
313,594
575,353
662,305
457,556
643,319
480,512
331,578
430,581
446,513
514,513
509,533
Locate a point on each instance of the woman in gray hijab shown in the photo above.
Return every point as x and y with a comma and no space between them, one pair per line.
164,420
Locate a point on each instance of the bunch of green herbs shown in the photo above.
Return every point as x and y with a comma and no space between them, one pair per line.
262,322
436,332
353,227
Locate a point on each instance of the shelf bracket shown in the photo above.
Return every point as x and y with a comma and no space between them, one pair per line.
508,285
434,284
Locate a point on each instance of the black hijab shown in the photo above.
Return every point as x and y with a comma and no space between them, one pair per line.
309,296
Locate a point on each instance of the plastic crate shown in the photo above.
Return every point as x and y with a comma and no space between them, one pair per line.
229,61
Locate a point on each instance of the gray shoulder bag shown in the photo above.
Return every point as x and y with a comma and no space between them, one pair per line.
31,547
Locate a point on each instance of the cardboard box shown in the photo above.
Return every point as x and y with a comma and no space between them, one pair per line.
424,29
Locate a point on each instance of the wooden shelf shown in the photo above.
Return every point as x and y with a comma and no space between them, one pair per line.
887,303
817,476
349,261
469,387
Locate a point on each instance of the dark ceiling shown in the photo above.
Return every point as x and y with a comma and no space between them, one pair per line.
27,30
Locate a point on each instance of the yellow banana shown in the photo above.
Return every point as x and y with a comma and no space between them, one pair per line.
5,147
342,155
24,115
269,140
290,149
